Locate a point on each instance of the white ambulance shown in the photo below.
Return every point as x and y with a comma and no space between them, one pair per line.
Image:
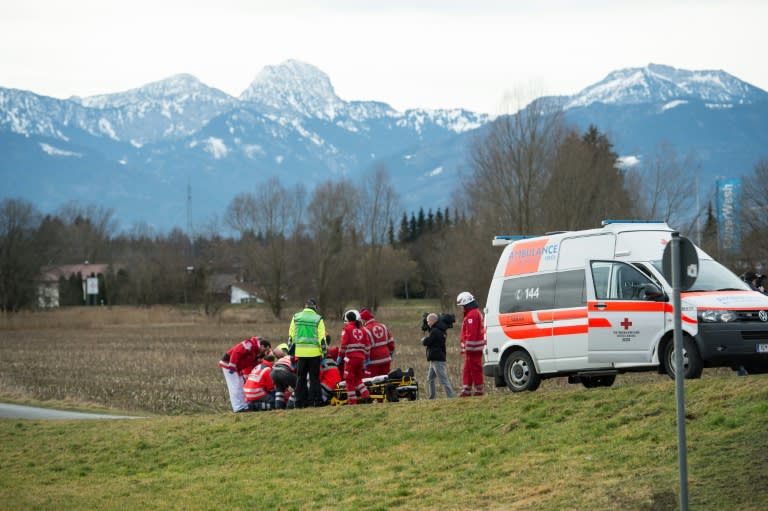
592,304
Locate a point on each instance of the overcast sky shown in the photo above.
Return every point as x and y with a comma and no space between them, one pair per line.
475,54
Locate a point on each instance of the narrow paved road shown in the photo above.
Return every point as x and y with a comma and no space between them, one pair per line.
9,411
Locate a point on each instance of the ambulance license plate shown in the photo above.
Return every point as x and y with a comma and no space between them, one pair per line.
762,348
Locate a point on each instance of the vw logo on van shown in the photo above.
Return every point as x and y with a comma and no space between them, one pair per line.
763,316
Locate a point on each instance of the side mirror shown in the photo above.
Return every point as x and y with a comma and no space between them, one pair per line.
653,293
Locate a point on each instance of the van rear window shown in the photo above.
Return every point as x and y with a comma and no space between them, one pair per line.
534,292
571,289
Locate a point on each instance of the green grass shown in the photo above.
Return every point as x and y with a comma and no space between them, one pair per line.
598,449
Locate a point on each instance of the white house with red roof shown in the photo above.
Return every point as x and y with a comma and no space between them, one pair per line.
48,285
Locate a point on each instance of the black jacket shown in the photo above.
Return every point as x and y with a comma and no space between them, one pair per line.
435,342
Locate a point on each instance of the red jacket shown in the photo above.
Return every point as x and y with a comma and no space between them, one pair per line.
259,382
242,357
329,373
355,342
472,335
383,344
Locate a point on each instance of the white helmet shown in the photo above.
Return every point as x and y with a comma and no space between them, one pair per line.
351,311
464,298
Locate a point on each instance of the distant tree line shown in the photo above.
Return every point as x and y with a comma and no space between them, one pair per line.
350,242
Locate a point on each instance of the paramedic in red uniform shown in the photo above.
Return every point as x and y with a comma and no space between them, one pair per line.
383,346
259,388
355,349
472,345
237,364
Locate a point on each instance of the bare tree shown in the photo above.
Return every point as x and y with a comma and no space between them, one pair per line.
511,164
19,257
241,214
586,184
89,229
274,212
379,202
665,186
334,209
755,214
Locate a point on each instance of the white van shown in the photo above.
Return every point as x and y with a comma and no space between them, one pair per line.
591,304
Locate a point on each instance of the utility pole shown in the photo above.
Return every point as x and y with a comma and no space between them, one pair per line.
189,209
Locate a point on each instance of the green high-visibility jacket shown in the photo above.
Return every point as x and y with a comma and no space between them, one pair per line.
307,330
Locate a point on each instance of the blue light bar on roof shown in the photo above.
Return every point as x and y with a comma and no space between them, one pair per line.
500,241
608,222
513,238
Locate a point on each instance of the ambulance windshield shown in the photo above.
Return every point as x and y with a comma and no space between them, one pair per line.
713,276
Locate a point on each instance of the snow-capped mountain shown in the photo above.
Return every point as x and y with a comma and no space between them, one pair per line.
295,87
663,84
137,151
166,109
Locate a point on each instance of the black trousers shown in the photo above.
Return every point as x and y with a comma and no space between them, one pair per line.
308,367
282,378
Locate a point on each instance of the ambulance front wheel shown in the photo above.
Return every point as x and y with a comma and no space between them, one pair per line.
520,373
692,364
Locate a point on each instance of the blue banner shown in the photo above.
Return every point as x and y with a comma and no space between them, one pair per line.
728,207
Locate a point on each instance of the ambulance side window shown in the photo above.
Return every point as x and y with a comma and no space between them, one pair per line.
534,292
618,281
570,290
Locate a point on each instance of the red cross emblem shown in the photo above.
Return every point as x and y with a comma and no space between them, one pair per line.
626,323
357,334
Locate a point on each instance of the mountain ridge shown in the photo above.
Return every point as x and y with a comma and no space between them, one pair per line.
141,148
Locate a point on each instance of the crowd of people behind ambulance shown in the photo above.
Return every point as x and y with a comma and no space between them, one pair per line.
754,280
306,371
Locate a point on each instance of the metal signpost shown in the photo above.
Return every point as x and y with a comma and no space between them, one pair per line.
680,266
92,287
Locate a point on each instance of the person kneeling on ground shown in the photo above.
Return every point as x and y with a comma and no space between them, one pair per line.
259,387
284,378
329,373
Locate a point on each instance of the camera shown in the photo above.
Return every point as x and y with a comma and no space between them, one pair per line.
447,319
424,324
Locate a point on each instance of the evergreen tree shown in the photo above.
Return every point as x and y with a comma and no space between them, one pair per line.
439,221
430,226
709,235
404,234
412,229
421,223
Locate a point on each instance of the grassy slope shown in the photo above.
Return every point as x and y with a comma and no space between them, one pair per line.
570,449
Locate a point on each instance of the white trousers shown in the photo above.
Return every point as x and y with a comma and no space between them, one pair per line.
236,394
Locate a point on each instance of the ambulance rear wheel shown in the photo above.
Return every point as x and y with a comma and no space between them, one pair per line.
692,364
520,373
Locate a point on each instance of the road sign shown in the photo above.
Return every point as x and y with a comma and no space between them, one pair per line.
689,263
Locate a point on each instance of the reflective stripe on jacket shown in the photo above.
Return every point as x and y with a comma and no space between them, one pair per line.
307,329
472,338
259,382
382,344
355,341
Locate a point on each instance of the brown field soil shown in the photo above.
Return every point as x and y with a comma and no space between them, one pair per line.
163,360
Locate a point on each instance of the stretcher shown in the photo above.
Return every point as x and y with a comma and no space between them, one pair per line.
391,387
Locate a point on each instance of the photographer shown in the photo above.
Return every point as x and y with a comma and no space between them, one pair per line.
435,344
